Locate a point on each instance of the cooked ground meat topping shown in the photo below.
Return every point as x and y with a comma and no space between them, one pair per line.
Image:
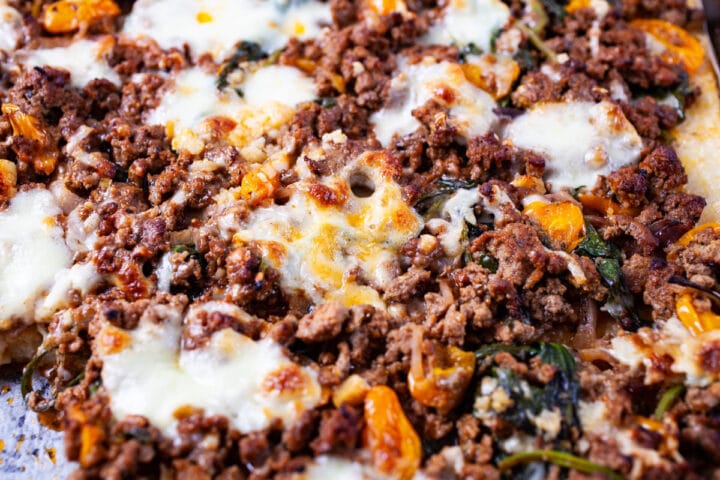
357,239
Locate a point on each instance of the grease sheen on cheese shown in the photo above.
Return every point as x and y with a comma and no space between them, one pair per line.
317,247
147,372
32,252
579,140
215,26
470,108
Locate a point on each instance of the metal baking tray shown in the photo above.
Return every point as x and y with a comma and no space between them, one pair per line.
28,449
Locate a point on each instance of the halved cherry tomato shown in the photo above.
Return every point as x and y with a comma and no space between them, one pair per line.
680,45
394,445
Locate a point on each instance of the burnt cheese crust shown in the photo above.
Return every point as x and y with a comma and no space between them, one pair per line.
363,239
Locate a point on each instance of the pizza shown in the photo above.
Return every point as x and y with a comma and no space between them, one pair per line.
363,239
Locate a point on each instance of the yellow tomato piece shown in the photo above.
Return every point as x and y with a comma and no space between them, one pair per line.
668,440
696,322
66,16
257,186
440,379
393,443
604,205
386,7
27,126
337,82
352,391
690,235
8,179
496,75
23,124
533,184
576,5
563,222
681,46
306,65
90,438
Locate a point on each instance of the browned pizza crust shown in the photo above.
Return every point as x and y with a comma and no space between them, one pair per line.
697,139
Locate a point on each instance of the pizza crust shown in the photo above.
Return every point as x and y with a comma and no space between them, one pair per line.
697,139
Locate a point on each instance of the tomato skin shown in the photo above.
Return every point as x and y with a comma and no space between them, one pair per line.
394,445
443,383
681,46
66,16
563,223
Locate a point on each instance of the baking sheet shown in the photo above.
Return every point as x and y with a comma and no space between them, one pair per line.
28,450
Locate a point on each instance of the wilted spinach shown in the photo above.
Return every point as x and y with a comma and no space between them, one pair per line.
246,52
620,303
555,8
561,393
430,203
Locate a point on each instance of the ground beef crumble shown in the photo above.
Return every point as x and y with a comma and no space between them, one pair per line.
152,210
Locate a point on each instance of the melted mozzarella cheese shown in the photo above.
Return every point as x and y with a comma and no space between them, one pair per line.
579,140
84,59
335,467
10,27
277,83
81,234
188,107
81,278
670,340
164,273
318,248
470,108
147,372
594,420
32,252
192,98
215,26
469,21
451,229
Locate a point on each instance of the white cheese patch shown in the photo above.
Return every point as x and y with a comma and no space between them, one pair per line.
147,372
326,467
579,140
81,278
278,83
81,234
32,252
318,247
82,58
497,203
215,26
601,8
164,273
671,339
469,21
267,103
75,150
470,108
11,25
192,98
593,418
451,228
